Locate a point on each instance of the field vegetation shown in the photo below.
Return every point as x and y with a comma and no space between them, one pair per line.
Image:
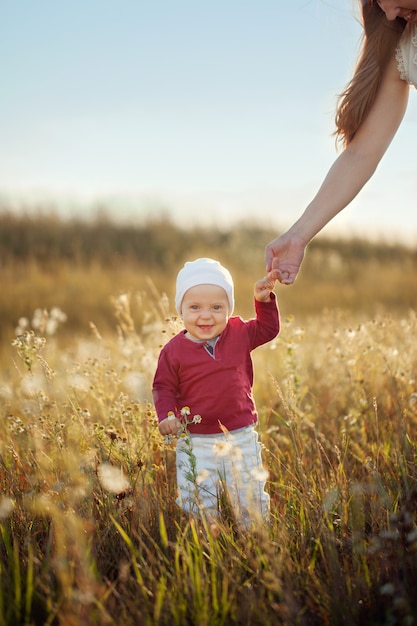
89,530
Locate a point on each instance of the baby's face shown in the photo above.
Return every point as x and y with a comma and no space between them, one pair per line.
205,311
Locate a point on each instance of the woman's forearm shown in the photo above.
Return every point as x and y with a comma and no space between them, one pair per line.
357,163
348,174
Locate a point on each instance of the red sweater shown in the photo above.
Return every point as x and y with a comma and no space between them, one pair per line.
220,388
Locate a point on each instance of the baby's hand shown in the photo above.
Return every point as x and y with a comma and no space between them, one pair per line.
263,288
170,425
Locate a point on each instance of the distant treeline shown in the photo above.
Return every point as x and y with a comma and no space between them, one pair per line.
157,243
80,265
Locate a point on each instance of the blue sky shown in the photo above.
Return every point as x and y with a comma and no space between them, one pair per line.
212,111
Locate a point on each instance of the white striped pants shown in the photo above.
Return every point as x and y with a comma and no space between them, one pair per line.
209,464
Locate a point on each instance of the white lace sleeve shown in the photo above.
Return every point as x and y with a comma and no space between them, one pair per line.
406,55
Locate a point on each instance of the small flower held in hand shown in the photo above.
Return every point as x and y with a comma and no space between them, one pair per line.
185,421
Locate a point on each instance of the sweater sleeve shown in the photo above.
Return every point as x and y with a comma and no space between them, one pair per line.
165,387
266,325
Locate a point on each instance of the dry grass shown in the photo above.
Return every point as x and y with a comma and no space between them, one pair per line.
89,530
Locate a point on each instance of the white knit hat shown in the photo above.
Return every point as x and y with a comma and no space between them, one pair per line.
203,272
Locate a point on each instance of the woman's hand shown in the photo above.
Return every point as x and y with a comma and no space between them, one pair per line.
283,257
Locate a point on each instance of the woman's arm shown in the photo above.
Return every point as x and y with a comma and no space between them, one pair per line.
349,173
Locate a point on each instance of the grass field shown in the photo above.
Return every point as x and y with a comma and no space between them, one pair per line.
89,530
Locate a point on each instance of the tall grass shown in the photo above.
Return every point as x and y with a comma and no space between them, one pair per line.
89,529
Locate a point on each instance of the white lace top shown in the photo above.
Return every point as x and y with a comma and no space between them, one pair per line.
406,55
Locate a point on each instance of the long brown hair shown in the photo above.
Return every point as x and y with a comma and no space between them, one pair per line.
379,41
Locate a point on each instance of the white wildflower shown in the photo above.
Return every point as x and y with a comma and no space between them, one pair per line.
38,318
6,506
260,473
6,392
51,326
79,382
32,384
202,475
22,325
135,383
58,315
112,478
123,299
236,453
222,448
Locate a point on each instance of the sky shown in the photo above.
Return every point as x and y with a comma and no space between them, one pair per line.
210,112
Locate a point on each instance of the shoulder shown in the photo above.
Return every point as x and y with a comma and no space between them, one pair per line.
174,343
234,325
406,55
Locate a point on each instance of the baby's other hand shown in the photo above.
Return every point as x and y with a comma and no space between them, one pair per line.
170,425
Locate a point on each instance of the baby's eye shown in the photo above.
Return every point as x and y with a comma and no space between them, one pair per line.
217,307
194,307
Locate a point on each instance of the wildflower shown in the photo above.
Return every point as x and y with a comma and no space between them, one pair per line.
28,346
222,448
183,431
51,326
123,299
22,325
236,453
202,475
6,392
58,315
113,478
38,319
6,507
42,321
135,384
79,382
260,474
387,590
31,384
112,433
